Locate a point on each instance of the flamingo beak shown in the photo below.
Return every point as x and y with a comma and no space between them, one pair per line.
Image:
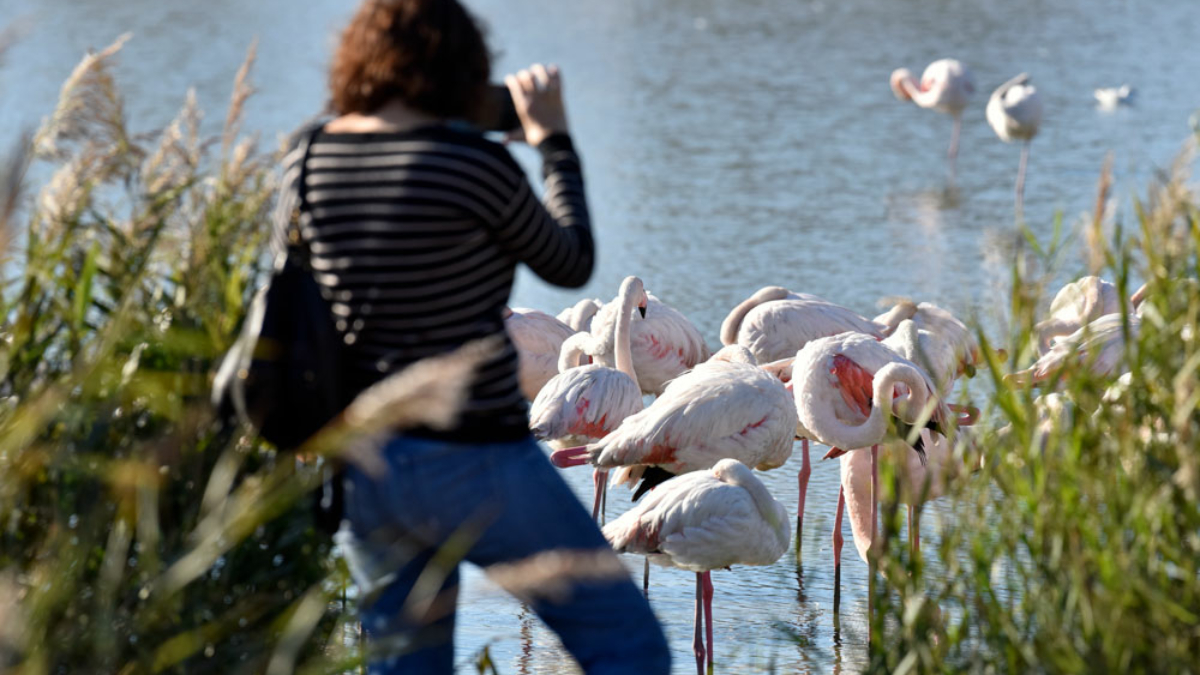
642,310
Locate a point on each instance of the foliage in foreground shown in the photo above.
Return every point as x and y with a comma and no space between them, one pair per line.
1076,548
136,535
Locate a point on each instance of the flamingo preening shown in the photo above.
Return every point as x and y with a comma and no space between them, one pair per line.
703,521
584,403
1014,112
946,86
847,389
1099,346
1075,305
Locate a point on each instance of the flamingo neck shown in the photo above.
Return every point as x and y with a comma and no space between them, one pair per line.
905,309
622,332
573,350
733,322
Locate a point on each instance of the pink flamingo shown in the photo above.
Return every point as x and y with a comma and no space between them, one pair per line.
585,403
538,338
723,408
775,323
1099,346
1075,305
1014,112
944,326
703,521
847,389
946,86
664,345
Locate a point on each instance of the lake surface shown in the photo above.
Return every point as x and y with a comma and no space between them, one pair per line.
727,146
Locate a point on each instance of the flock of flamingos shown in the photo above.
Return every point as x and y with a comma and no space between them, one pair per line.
793,366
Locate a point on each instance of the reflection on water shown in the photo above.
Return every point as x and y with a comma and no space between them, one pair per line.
727,145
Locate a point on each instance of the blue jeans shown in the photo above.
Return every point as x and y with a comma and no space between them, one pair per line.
438,503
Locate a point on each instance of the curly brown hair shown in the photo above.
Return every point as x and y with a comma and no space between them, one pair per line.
430,54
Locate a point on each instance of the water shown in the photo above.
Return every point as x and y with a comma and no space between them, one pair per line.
727,145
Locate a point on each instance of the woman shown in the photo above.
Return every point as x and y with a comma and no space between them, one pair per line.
416,226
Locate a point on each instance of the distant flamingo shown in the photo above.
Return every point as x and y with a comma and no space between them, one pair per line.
704,521
946,86
582,404
775,323
538,338
579,316
664,345
1014,112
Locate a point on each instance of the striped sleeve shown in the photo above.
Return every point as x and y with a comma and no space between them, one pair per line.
554,237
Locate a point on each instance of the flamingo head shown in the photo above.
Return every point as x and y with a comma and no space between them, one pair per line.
903,83
634,286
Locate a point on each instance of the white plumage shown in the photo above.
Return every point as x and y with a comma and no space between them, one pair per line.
927,349
1099,345
720,409
946,86
777,329
1075,305
845,385
706,520
538,338
1014,110
664,343
579,316
929,317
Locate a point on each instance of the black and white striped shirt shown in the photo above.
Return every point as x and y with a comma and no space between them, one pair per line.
417,235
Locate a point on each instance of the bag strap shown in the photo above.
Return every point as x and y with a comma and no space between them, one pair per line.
295,239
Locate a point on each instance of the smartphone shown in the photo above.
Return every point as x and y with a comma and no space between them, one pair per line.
498,113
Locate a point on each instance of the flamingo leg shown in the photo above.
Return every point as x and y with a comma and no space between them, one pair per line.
646,578
871,558
952,153
837,551
805,472
603,496
914,529
1021,181
697,640
708,620
597,486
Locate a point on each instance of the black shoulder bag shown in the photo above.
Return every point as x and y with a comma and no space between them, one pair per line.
283,375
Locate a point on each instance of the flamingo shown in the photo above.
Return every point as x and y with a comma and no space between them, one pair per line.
726,407
585,403
1075,305
929,317
919,482
664,345
946,86
1014,112
927,348
1099,345
775,323
703,521
579,316
538,338
844,390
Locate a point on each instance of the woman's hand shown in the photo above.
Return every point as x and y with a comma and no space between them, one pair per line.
537,95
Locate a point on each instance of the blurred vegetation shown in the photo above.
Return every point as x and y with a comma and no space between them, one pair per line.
1076,547
136,534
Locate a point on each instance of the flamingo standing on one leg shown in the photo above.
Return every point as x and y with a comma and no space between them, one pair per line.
1014,112
703,521
946,86
585,403
664,345
538,338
